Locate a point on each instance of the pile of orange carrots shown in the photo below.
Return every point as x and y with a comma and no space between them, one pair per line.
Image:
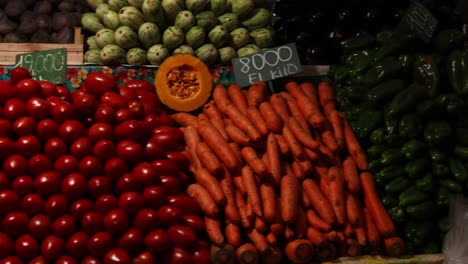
282,176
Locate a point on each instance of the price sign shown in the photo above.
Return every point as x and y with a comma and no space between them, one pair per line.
267,65
419,20
49,65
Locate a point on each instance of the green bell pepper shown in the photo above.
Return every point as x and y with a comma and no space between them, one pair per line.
398,185
418,232
353,58
451,185
437,132
457,71
428,109
412,148
391,124
462,136
375,151
355,92
367,122
384,36
426,73
389,200
393,140
451,103
391,156
406,99
357,43
397,214
440,170
459,172
338,73
377,136
388,173
375,166
412,196
437,155
443,198
447,40
386,68
406,62
385,90
421,211
461,152
415,168
410,126
425,183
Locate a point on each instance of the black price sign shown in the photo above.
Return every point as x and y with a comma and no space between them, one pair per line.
49,65
267,65
419,20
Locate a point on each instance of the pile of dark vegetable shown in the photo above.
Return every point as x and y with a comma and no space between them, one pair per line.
319,31
407,103
44,21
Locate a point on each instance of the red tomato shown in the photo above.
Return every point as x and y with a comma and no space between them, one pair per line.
201,256
15,223
92,223
129,151
146,220
166,167
7,91
64,226
26,247
54,99
48,89
81,147
81,207
132,241
15,165
7,147
4,181
90,166
77,245
182,236
151,121
38,164
65,260
32,204
170,138
124,114
5,128
38,108
6,245
131,130
128,94
11,260
100,131
155,196
146,173
104,114
19,73
9,201
98,83
62,111
23,185
117,256
99,185
27,88
74,186
28,145
46,129
166,120
149,108
85,104
22,126
194,222
104,150
14,108
184,203
40,226
71,130
139,85
99,244
52,247
114,168
64,93
145,96
116,222
179,256
128,183
66,164
180,158
153,151
48,183
144,258
56,205
131,202
157,241
172,184
169,215
137,109
91,260
106,203
115,100
38,260
54,148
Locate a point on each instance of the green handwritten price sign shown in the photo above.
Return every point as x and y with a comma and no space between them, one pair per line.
49,65
419,20
267,65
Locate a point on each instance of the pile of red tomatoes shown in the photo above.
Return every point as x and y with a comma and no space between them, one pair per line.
94,176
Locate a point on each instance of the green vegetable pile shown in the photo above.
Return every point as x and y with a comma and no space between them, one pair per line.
138,32
407,102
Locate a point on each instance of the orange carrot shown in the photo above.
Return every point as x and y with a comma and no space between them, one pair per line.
208,159
341,236
241,121
316,222
351,175
322,173
273,157
184,119
394,246
311,155
354,210
301,135
297,170
241,205
203,116
231,210
218,144
316,237
361,235
300,226
192,139
372,233
255,163
197,192
236,150
289,198
258,239
256,118
251,188
233,235
271,239
297,150
277,227
212,111
211,184
283,145
247,254
280,106
326,97
336,123
326,252
328,155
337,201
310,110
349,230
289,234
236,135
249,209
306,166
296,112
222,254
352,247
354,148
274,255
268,196
304,202
332,236
221,98
219,124
319,202
328,138
376,209
310,91
238,181
260,224
256,94
237,97
213,230
299,251
273,120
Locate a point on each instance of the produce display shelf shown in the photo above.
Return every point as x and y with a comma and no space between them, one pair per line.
413,259
75,51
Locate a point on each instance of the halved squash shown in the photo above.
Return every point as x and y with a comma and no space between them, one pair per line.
183,82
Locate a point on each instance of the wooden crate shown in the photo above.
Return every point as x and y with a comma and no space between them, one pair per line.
8,51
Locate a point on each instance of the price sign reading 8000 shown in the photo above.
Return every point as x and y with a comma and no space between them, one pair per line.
47,65
269,58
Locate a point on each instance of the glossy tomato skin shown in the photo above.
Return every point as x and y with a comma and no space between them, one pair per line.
132,241
7,91
201,256
151,121
6,245
128,94
66,164
47,88
180,158
99,244
145,96
184,203
157,241
116,222
144,257
48,183
15,223
32,204
23,126
81,147
170,138
90,166
56,205
128,183
137,109
166,120
52,247
105,114
11,260
19,73
6,128
28,145
106,203
113,99
155,196
131,130
54,148
66,260
85,104
26,247
15,165
172,184
117,256
166,167
146,220
123,115
40,226
74,186
71,130
99,185
27,88
98,83
7,147
153,151
100,131
76,245
139,85
91,260
38,108
131,202
169,215
92,223
62,111
9,201
64,93
14,108
146,173
129,151
38,164
104,150
114,168
4,181
182,236
194,222
81,207
47,128
64,226
178,256
23,185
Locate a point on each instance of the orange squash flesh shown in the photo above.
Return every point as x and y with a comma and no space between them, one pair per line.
183,83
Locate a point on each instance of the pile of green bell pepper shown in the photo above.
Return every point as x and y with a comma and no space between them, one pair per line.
407,102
